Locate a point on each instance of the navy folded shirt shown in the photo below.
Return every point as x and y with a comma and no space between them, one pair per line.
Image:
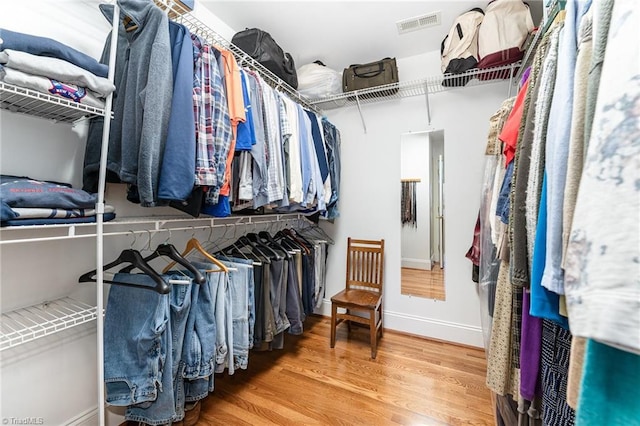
21,191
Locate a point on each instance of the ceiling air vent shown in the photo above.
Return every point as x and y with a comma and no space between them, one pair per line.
418,22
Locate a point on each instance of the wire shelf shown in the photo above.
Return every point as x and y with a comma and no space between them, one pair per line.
430,85
31,323
26,101
134,226
182,15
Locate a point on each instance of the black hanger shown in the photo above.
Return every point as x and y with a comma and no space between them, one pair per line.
267,239
170,251
244,241
292,240
297,235
257,240
235,250
136,260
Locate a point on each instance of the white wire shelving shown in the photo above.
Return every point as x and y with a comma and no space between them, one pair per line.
184,16
421,87
34,322
26,101
27,324
135,226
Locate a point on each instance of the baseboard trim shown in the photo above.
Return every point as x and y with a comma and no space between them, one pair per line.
416,263
431,328
87,418
434,328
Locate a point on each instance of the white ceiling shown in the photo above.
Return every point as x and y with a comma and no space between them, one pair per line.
341,33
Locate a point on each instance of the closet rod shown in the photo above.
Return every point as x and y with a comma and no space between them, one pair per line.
183,16
154,230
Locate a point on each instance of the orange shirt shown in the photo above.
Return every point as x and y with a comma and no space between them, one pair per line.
511,128
233,83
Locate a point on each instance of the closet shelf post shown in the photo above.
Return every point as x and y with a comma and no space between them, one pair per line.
102,183
364,125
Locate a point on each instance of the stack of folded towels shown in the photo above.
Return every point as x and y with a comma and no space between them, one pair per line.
48,66
26,201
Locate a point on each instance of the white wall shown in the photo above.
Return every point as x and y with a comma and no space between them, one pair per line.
370,196
414,153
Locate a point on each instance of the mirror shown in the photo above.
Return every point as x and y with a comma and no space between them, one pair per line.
422,214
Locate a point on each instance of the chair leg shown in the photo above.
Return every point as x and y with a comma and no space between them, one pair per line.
381,323
348,322
334,312
373,332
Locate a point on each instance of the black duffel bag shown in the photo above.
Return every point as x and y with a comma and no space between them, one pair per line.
262,47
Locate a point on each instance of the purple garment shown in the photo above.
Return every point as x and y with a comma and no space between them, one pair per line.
525,76
530,351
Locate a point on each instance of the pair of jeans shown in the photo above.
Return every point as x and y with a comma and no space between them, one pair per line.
136,344
169,406
241,292
199,348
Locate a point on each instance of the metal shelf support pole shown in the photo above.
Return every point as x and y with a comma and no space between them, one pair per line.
102,181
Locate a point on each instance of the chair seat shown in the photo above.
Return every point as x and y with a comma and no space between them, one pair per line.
354,297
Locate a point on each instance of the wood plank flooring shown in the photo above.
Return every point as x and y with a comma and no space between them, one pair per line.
423,283
412,381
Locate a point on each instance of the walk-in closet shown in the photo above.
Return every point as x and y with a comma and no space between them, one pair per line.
346,212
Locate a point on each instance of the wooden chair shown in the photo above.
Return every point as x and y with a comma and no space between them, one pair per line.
363,292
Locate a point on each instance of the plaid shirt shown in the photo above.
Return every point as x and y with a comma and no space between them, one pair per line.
213,126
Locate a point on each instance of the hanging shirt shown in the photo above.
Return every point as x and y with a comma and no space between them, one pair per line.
509,133
275,172
602,261
246,132
306,147
213,127
178,160
557,148
258,151
233,84
295,166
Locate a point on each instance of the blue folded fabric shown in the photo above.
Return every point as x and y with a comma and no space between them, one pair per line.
44,46
6,213
29,222
21,191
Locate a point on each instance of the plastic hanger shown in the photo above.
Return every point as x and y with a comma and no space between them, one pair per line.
284,234
253,255
268,239
255,239
194,245
168,250
135,259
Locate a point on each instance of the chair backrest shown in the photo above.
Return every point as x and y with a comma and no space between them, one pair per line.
365,264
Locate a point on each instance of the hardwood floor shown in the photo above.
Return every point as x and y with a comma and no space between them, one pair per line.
412,381
423,283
